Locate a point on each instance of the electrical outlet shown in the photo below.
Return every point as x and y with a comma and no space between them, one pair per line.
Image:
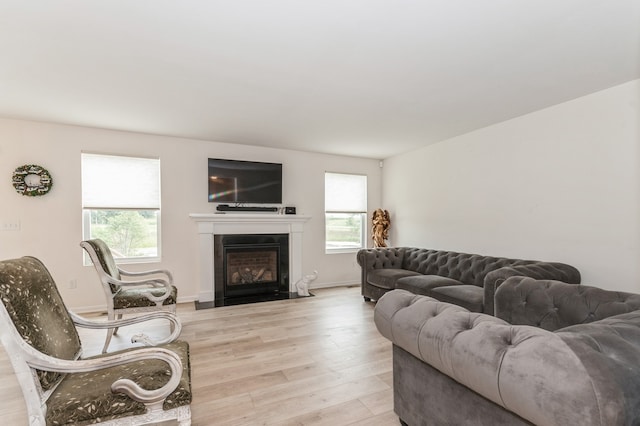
10,225
73,284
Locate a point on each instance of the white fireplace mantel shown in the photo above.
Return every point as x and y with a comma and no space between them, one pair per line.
210,224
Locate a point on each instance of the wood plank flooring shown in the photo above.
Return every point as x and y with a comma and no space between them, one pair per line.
309,361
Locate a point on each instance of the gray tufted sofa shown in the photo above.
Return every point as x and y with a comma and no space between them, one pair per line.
454,367
468,280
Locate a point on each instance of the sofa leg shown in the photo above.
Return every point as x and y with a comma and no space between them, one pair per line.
367,299
403,423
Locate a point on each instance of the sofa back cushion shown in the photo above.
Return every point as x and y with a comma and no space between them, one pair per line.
552,305
466,268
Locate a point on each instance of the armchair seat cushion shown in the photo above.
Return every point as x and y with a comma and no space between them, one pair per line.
85,397
386,278
135,297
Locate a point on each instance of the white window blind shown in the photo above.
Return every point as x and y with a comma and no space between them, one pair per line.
345,193
117,182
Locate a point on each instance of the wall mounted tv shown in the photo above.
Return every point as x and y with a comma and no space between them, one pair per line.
251,182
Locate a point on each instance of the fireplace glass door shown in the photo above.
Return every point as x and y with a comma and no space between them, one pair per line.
251,270
251,264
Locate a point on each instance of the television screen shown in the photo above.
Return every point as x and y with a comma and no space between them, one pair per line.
233,181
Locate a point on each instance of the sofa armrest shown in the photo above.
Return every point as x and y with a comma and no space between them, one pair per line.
378,258
552,305
539,270
401,316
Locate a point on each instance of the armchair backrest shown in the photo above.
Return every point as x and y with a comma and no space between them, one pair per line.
35,308
103,260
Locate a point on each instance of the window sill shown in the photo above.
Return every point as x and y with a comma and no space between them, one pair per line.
342,251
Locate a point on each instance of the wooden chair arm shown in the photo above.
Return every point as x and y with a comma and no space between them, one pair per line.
153,399
145,273
155,282
137,338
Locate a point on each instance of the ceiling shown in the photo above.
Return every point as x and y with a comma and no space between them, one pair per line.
367,78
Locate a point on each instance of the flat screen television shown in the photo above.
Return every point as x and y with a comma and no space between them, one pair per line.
250,182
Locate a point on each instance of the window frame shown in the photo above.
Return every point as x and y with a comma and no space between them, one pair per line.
87,211
361,214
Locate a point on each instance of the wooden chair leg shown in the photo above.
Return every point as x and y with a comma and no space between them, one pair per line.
110,332
115,330
107,340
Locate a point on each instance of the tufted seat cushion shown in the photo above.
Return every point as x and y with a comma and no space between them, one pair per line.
424,284
584,374
386,278
470,297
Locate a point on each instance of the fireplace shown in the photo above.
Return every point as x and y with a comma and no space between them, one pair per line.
212,225
251,265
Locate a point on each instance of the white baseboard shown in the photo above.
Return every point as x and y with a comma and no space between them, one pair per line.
334,284
187,299
191,299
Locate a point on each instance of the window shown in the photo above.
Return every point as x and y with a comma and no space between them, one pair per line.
121,205
345,205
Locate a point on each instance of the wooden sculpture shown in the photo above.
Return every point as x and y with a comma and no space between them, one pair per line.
381,222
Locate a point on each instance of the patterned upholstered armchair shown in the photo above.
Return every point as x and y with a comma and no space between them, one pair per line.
146,291
134,386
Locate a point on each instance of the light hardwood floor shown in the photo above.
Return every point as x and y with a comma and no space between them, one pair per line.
309,361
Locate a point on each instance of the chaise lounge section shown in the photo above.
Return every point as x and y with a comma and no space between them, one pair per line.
573,358
467,280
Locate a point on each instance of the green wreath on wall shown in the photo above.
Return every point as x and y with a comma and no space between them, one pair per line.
32,180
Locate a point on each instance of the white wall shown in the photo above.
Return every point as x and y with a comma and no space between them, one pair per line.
559,184
51,225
